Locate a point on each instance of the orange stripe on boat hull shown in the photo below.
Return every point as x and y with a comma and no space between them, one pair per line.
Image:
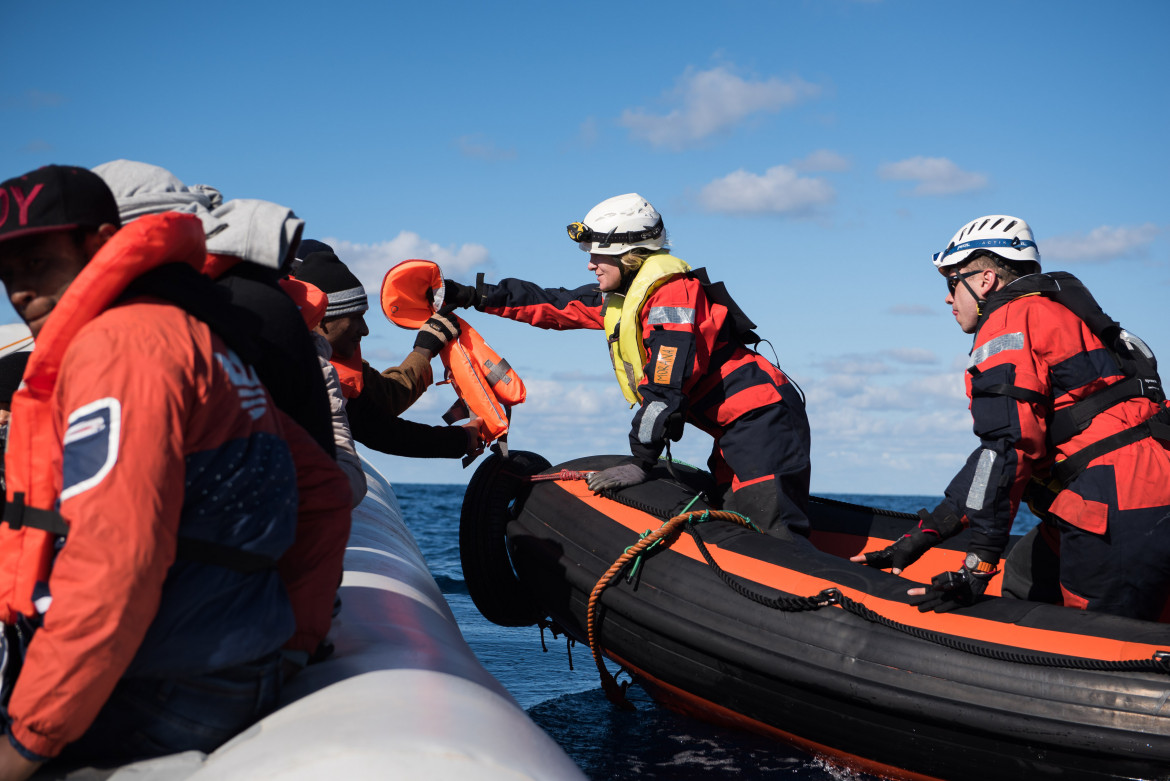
956,624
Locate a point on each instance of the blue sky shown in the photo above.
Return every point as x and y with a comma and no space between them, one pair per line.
810,154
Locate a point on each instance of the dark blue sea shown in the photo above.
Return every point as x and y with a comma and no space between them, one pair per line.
649,744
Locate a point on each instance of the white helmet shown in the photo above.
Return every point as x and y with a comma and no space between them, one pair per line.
1008,237
617,225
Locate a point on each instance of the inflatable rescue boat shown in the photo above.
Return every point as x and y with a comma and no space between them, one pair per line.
402,696
789,639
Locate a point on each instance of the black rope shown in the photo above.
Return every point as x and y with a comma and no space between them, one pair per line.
649,509
1159,663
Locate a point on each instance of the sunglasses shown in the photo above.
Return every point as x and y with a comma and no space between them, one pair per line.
954,280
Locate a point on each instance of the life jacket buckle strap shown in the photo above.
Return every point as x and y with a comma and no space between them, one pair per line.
17,515
14,512
1069,422
1157,427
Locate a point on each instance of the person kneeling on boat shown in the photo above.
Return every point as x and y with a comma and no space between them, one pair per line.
1071,418
678,350
150,492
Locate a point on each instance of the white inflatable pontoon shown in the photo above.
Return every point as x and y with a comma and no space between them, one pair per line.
402,697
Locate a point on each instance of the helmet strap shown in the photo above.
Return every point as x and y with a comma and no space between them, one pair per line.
979,302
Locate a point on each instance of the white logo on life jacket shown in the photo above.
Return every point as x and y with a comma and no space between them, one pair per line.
253,396
90,445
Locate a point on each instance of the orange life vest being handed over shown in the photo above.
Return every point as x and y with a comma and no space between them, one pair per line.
412,291
34,452
482,379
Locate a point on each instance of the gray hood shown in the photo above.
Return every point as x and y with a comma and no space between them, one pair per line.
257,231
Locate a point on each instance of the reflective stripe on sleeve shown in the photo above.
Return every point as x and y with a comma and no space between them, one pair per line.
977,495
650,414
660,315
997,345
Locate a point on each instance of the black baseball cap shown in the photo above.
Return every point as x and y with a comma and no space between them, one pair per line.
53,198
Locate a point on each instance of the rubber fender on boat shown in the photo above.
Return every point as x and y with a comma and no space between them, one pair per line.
494,496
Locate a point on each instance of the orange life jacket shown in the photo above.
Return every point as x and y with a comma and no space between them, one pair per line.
349,373
412,291
34,453
311,300
483,380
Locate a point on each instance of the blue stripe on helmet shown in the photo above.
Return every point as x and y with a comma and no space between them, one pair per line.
1016,243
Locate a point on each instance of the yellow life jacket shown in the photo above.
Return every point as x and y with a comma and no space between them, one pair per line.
625,344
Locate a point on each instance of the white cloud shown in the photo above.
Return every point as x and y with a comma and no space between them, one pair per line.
882,381
821,160
934,175
915,310
780,190
1100,244
911,355
588,133
370,262
479,146
712,101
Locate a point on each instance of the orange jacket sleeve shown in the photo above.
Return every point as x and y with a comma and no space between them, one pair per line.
107,579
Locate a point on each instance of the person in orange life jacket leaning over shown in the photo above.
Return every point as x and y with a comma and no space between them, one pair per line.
145,591
1071,418
376,399
679,355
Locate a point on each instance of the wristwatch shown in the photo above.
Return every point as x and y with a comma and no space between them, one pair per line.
978,565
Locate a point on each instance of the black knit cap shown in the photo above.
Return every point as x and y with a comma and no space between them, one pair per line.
11,373
308,246
345,291
53,198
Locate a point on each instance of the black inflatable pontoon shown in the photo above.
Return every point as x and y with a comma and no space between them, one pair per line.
1002,689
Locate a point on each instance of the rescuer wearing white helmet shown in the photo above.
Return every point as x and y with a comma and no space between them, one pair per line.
678,347
1071,418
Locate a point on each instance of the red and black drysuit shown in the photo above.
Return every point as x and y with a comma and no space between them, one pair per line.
761,453
1034,359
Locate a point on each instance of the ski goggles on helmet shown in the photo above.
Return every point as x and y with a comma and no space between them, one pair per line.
582,233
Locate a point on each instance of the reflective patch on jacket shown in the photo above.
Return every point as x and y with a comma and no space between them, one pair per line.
679,315
977,495
91,445
997,345
650,414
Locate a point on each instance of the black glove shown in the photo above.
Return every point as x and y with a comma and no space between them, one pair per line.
616,477
436,332
949,590
930,531
456,296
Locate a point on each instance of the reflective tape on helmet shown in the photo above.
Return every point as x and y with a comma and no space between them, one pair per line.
1014,243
